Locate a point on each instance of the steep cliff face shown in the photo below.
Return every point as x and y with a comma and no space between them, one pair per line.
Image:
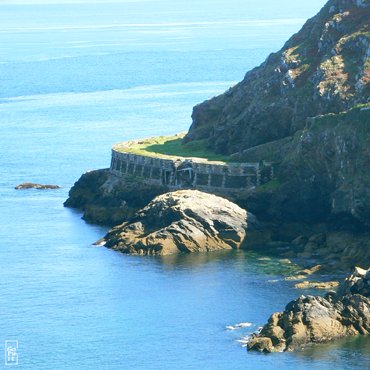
324,68
331,158
323,173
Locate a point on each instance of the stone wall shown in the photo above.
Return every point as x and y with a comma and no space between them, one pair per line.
182,173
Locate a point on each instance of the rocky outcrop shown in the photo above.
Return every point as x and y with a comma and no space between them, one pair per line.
182,221
324,68
109,200
301,109
32,185
311,319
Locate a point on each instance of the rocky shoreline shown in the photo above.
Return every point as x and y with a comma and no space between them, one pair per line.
309,115
108,200
307,110
191,221
315,319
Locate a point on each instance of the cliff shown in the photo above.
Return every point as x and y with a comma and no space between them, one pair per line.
306,108
324,68
324,174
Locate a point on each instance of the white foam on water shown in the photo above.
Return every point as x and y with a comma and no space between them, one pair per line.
239,326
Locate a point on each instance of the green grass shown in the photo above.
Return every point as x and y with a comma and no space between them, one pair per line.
171,146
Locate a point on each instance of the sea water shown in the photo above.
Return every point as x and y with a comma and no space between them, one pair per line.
77,77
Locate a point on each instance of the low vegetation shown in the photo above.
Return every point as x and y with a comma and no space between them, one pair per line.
171,146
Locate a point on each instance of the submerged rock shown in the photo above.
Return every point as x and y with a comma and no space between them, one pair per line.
182,221
317,285
312,319
31,185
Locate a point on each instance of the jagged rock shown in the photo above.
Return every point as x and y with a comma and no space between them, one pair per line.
182,221
310,319
31,185
357,283
109,200
263,344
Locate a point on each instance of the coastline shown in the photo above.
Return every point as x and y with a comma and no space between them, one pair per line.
109,200
303,133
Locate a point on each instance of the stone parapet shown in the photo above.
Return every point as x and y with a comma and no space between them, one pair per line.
181,173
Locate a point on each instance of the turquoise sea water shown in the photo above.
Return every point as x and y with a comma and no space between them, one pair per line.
76,77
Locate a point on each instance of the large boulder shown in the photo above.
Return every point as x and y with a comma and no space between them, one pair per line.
181,221
310,319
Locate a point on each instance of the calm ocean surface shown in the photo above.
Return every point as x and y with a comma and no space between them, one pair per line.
77,77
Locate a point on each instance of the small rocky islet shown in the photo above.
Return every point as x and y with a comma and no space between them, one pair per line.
308,115
32,185
316,319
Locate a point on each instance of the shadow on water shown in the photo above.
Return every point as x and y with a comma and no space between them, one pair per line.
354,349
242,260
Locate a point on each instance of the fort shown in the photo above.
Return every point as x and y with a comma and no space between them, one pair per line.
177,172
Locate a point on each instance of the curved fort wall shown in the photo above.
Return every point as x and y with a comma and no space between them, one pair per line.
178,173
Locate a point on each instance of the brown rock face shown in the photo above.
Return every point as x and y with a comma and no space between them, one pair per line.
181,221
319,319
